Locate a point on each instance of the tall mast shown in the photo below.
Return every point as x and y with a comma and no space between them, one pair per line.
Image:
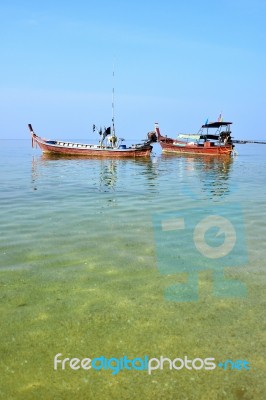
113,104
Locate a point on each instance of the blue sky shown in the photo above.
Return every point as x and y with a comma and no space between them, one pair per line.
176,62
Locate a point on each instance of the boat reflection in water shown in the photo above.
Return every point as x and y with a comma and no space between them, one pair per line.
166,176
93,175
204,177
108,175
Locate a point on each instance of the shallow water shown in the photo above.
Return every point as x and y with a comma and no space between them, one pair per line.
81,273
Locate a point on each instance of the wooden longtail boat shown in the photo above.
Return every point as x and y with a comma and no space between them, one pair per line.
202,143
109,145
114,148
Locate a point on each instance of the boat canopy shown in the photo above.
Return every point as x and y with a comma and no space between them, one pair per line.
216,124
189,136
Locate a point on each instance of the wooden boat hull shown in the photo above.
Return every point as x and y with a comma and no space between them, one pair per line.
89,150
194,149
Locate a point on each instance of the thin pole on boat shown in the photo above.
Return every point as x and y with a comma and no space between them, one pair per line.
113,104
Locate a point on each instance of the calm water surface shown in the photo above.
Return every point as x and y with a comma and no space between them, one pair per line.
79,274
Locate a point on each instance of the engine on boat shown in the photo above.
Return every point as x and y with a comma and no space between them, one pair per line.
152,137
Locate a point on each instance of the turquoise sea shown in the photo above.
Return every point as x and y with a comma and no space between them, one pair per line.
84,273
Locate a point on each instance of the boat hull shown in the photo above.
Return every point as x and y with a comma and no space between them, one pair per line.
88,150
195,149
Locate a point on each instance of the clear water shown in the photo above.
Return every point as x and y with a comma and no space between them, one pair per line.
79,275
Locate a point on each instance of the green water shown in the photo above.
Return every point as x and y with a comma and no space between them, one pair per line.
79,275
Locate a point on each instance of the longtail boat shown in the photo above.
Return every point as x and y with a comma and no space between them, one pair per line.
112,147
203,143
109,145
